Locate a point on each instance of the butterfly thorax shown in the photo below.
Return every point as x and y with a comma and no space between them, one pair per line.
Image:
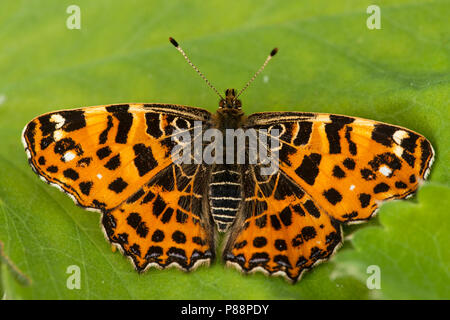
229,115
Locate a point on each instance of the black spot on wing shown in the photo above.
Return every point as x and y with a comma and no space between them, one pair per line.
71,174
286,216
104,135
368,174
280,245
167,215
298,209
351,145
46,141
104,152
135,197
383,133
86,186
177,255
400,185
338,172
364,198
66,144
311,208
308,233
120,112
158,206
386,158
410,143
113,163
332,130
148,197
304,133
409,158
333,196
425,147
46,126
309,168
349,163
152,122
275,222
258,259
144,159
350,215
30,134
84,162
118,185
134,220
52,169
158,236
109,223
381,187
259,242
41,161
73,120
179,237
135,249
153,253
261,222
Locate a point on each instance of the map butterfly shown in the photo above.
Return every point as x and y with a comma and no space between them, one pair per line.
333,170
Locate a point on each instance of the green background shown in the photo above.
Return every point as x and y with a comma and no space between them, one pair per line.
329,61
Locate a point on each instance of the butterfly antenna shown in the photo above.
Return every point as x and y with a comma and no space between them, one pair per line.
272,53
176,45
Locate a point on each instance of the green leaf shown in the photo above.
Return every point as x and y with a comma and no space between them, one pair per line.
328,62
410,248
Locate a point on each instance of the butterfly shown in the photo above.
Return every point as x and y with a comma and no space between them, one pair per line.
332,170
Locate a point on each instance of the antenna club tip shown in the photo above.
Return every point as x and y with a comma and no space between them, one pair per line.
273,52
173,41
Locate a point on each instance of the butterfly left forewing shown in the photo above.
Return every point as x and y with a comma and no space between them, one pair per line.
118,159
102,155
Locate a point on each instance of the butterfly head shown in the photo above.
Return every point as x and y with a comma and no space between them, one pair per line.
230,100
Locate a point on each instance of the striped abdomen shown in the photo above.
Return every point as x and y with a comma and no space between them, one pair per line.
225,195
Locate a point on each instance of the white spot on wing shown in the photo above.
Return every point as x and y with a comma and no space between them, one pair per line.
58,119
399,135
99,176
398,151
386,171
352,187
58,135
68,156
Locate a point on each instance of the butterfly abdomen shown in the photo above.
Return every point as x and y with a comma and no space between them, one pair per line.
225,195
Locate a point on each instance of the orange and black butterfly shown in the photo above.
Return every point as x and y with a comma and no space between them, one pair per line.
333,170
